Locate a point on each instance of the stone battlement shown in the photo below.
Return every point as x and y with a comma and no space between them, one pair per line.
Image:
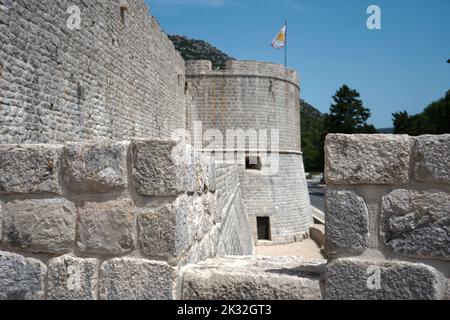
237,68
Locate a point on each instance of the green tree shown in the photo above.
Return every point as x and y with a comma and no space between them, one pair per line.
348,114
401,122
312,125
435,119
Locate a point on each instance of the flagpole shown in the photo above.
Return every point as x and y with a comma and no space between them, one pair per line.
285,44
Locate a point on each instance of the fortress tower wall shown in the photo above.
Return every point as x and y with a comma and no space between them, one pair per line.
118,76
247,95
261,96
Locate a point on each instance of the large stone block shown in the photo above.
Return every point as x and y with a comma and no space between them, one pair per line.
107,227
98,167
40,226
432,158
165,168
170,230
367,159
137,279
71,278
29,169
417,223
253,278
21,278
352,279
347,220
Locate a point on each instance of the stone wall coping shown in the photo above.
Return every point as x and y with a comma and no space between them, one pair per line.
235,68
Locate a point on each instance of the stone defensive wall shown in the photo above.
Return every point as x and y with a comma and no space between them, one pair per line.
112,220
115,76
388,216
257,96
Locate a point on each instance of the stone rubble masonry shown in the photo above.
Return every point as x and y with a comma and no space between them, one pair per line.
107,228
41,225
253,278
72,278
21,278
137,279
367,159
347,221
353,279
388,203
99,167
28,169
417,223
432,158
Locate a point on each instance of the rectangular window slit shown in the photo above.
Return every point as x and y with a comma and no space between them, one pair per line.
253,163
123,8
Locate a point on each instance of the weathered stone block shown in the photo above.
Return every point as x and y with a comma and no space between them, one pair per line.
154,169
40,226
157,232
107,227
253,278
432,158
21,278
347,220
352,279
71,278
29,169
367,159
96,167
417,223
137,279
163,168
170,230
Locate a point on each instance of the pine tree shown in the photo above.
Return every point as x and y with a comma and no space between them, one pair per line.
348,114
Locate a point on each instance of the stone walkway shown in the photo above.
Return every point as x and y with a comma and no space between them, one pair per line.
306,249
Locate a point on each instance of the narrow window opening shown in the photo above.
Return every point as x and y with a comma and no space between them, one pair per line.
263,225
123,9
253,163
122,15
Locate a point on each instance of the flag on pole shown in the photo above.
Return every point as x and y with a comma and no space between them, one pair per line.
280,40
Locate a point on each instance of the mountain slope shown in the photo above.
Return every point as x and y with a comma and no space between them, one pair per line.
191,49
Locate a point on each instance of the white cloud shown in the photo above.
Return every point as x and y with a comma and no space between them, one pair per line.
208,3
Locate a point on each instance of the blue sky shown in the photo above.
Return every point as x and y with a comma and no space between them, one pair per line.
401,67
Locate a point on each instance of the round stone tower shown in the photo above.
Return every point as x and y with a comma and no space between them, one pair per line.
258,97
